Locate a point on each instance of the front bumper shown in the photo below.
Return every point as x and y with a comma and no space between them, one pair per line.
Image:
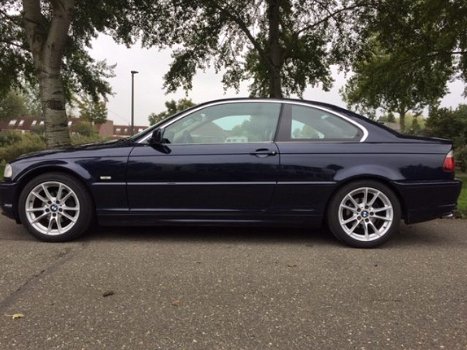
427,200
8,199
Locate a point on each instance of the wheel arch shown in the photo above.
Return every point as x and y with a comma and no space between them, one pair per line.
28,176
383,180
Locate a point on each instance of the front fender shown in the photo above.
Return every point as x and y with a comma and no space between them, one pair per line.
32,169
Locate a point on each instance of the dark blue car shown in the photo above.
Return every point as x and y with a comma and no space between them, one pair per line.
242,162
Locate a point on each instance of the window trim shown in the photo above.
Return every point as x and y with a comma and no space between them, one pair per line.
280,123
286,125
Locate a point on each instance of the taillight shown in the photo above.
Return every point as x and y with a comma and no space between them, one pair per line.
449,163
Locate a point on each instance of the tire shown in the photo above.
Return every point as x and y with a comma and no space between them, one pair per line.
364,214
55,207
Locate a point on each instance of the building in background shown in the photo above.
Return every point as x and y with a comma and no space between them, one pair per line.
105,130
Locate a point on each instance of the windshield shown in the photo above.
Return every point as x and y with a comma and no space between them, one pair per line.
141,133
149,130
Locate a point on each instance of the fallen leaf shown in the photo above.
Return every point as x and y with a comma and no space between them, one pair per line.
108,293
15,316
176,302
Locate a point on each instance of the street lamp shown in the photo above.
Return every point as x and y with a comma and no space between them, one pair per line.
133,72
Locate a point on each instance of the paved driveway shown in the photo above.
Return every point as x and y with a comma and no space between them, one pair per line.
217,288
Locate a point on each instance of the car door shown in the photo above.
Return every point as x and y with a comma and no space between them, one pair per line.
314,144
218,160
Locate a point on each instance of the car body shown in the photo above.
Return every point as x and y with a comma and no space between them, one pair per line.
241,161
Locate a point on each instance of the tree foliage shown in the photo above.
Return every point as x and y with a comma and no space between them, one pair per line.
413,48
383,80
172,108
281,46
92,111
17,103
45,43
12,105
448,123
431,32
81,73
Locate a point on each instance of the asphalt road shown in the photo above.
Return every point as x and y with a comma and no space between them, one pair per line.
226,288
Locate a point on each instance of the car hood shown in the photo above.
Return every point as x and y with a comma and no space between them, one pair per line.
91,149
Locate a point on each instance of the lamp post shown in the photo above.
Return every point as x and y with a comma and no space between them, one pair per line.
133,72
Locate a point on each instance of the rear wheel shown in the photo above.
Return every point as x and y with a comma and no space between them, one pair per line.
364,214
55,207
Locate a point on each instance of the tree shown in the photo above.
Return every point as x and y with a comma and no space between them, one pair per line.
44,43
427,30
172,108
17,103
282,46
32,100
382,79
94,112
12,105
448,123
84,129
413,49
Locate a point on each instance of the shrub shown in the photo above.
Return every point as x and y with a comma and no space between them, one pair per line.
9,137
78,139
13,144
461,158
450,124
20,144
38,130
83,129
2,168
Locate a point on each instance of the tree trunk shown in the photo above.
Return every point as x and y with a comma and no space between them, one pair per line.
402,114
47,42
53,107
274,49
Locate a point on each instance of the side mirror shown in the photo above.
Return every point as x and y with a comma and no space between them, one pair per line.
156,138
158,142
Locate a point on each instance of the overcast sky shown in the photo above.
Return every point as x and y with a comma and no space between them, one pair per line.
150,96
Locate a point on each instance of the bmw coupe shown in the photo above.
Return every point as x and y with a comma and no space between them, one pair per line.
243,162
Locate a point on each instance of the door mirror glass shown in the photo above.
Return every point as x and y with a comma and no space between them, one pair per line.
156,138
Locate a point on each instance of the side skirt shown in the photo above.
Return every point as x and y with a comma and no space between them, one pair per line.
191,218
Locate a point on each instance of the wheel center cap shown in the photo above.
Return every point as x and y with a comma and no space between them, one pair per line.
364,214
53,208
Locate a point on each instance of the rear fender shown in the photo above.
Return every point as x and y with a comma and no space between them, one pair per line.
368,170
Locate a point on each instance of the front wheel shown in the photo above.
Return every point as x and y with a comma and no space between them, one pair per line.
55,207
364,214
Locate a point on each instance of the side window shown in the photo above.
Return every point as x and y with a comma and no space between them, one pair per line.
226,123
309,123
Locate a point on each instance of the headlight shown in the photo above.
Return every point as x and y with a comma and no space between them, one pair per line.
8,171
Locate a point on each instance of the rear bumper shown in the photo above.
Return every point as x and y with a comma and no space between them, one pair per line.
427,200
8,195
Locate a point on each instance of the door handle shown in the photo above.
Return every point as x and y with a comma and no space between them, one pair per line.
263,152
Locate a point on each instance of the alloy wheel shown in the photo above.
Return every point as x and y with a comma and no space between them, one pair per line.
52,208
366,214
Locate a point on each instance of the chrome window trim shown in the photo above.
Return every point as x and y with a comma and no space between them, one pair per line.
358,125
